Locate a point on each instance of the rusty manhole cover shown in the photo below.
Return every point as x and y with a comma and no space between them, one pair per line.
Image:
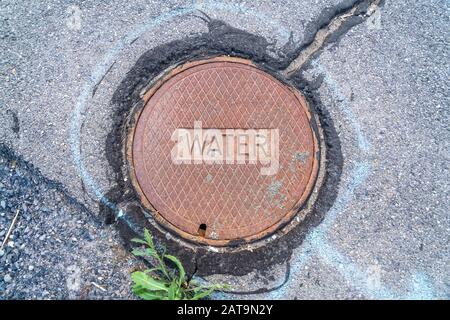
223,151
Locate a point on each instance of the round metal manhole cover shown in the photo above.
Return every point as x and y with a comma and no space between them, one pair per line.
222,151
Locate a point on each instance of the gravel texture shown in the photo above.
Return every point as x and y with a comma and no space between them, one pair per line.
383,85
57,249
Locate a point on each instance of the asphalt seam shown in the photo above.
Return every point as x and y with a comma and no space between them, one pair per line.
324,34
10,155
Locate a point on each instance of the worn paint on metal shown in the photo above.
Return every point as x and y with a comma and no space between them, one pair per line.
234,201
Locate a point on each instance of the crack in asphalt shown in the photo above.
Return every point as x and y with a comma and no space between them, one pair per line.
326,34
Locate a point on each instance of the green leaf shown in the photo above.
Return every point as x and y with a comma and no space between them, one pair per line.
148,237
145,253
173,289
136,240
147,282
181,272
139,253
144,294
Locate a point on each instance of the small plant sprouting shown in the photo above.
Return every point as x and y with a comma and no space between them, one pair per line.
161,283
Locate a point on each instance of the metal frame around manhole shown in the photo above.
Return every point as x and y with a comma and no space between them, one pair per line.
299,211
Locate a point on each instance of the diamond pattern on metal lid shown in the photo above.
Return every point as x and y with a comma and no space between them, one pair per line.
219,202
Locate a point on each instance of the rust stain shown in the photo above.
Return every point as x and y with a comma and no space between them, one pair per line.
217,203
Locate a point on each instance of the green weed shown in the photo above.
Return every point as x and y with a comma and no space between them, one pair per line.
161,283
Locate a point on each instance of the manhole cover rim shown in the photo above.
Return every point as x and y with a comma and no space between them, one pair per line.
279,227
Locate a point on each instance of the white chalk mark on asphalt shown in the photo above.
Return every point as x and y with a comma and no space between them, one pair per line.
315,242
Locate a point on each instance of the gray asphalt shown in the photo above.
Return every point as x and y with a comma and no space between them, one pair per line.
384,84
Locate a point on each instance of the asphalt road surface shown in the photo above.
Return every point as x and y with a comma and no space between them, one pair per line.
380,81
